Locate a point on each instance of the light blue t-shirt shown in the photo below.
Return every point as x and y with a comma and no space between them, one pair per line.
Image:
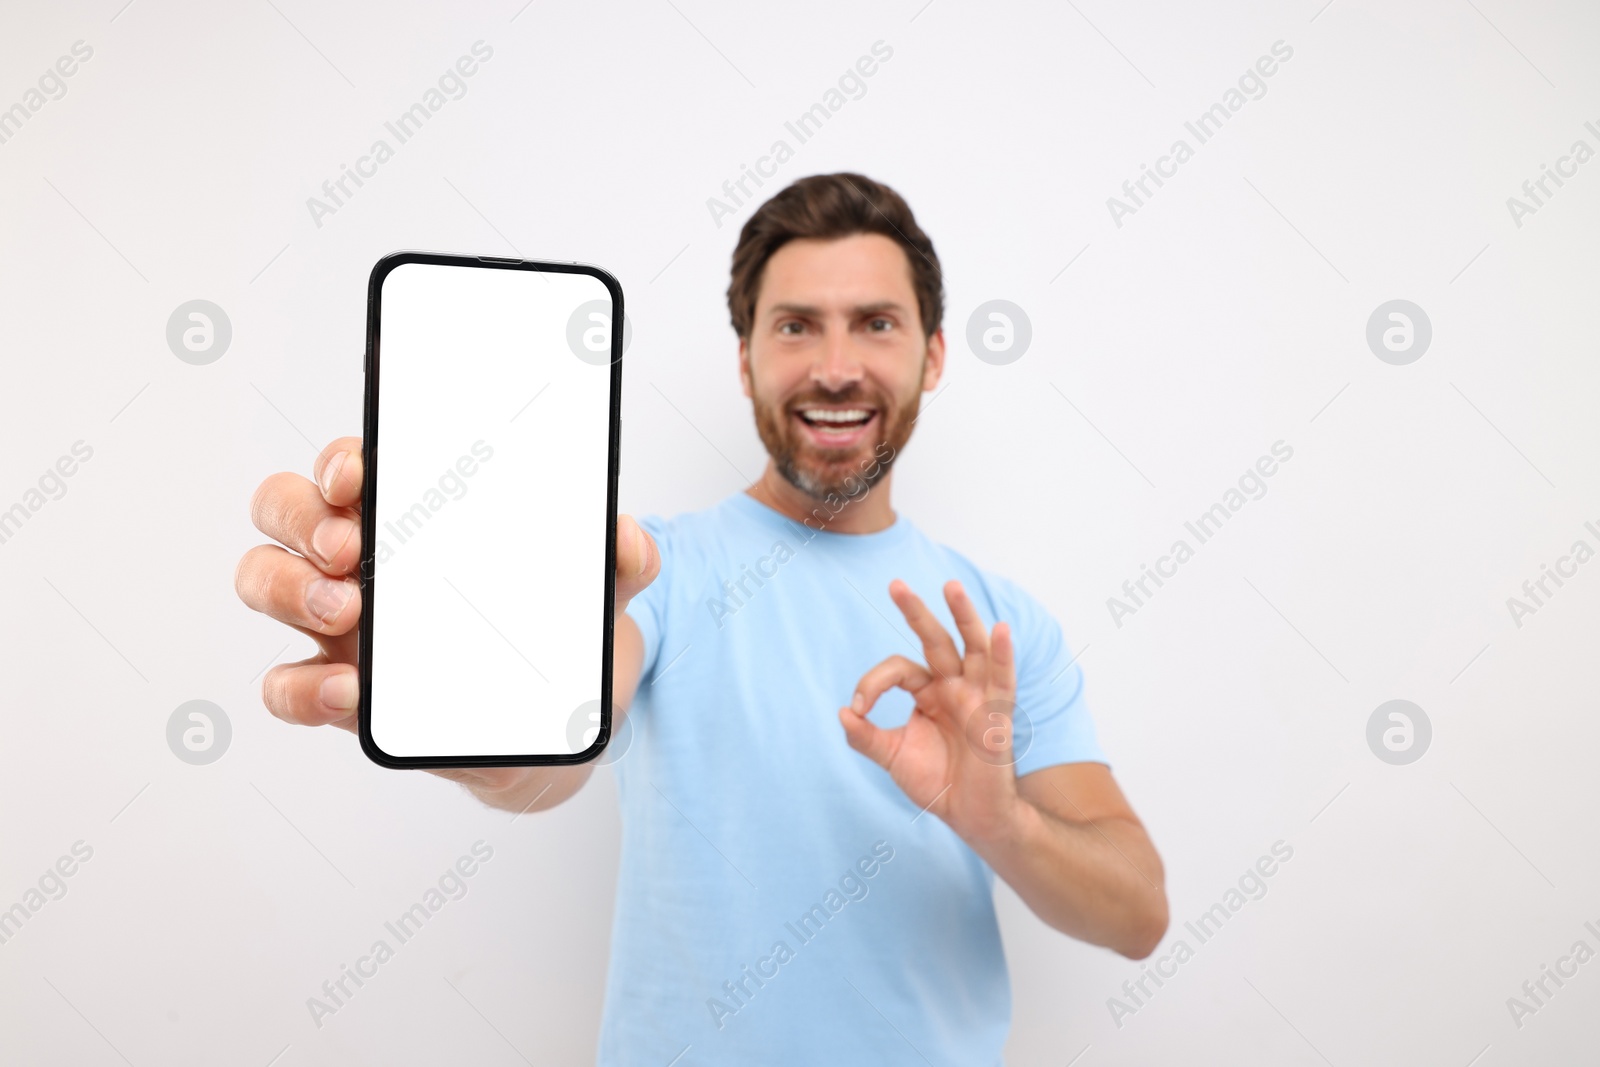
780,900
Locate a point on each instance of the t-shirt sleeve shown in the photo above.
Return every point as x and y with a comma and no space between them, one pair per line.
1058,726
648,610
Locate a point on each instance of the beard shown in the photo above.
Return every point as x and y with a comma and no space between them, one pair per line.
821,472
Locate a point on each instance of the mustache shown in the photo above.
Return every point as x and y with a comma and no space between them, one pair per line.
854,394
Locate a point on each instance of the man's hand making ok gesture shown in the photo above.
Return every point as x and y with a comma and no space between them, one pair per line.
1062,836
953,756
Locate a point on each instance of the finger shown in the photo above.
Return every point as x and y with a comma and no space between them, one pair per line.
1003,662
339,472
312,692
936,643
878,745
294,512
292,590
896,671
638,559
973,635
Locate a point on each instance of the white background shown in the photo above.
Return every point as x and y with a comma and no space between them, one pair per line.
1167,354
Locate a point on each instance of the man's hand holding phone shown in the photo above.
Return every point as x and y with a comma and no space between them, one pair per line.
307,580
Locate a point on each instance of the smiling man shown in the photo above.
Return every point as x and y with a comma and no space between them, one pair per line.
843,731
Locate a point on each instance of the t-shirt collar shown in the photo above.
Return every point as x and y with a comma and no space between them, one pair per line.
817,527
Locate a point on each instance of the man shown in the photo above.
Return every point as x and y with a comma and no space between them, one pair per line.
781,899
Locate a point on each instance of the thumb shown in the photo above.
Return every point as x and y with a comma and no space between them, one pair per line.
877,744
638,560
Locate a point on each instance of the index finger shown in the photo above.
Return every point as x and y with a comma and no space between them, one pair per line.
339,472
894,672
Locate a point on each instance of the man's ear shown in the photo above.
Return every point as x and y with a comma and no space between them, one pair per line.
744,366
933,362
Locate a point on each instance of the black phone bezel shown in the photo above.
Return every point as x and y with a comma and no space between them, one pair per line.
369,497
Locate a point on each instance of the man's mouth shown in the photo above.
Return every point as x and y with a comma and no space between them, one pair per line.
835,425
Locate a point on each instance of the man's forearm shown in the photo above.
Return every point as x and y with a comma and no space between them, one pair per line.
1099,881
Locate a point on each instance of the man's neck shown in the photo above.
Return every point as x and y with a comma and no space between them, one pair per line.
867,513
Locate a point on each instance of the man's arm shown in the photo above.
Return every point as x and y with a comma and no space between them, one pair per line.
305,581
1080,858
1063,837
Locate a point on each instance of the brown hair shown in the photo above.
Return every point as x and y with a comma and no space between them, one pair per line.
826,206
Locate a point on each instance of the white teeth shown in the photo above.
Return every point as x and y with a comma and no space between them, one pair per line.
849,415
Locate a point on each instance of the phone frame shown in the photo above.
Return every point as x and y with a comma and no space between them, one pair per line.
366,572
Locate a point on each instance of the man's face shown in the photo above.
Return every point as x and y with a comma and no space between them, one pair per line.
836,360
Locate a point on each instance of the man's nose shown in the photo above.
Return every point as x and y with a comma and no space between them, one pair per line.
837,366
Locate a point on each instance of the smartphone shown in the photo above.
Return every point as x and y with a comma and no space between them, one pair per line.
488,563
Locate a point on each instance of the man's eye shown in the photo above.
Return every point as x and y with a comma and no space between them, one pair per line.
879,325
790,327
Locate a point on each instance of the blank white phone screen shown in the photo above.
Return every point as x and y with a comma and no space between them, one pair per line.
494,400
